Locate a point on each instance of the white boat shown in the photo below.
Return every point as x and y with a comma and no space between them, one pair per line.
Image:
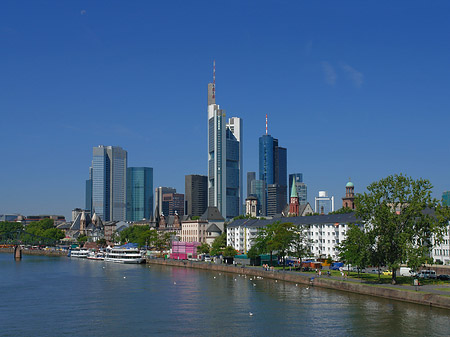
124,255
79,252
96,255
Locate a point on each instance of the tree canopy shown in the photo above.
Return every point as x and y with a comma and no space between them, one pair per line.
401,220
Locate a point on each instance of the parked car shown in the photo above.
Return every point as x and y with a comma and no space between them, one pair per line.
387,272
444,277
427,274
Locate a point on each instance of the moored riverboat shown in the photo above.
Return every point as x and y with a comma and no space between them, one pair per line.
93,255
125,254
78,252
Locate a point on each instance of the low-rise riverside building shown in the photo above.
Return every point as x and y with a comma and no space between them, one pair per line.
194,230
324,231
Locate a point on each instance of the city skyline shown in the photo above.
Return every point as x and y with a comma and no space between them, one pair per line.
361,103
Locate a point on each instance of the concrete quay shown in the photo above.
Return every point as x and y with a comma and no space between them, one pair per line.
425,295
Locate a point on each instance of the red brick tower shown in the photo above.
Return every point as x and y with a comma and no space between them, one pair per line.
294,204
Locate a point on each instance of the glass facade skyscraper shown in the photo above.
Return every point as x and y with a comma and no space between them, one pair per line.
139,193
224,159
109,172
446,198
273,170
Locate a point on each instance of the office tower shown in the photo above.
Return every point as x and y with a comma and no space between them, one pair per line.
195,194
323,203
224,158
88,195
159,192
173,203
109,178
276,199
250,177
139,193
446,198
302,189
273,171
258,189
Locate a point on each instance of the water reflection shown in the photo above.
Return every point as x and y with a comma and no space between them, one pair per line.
75,297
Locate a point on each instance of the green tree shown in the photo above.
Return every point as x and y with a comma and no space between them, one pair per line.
101,242
219,244
82,239
301,244
343,210
163,241
204,248
264,242
401,216
229,251
355,248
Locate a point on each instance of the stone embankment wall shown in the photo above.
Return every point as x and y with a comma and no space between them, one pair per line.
323,282
34,252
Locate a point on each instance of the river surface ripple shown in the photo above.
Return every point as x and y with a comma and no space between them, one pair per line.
46,296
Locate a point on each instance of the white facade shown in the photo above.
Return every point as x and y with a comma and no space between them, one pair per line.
442,251
323,200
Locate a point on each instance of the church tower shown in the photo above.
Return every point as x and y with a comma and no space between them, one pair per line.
294,204
349,199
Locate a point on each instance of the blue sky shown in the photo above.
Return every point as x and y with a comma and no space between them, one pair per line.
352,89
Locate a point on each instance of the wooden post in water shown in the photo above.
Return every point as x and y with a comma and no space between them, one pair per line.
17,252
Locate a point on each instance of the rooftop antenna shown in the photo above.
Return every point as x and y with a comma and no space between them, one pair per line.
214,80
266,124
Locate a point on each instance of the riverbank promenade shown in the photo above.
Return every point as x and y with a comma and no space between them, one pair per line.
430,295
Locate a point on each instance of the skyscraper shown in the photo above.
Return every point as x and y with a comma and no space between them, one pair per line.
159,192
173,203
224,158
195,194
302,188
323,203
258,189
139,193
446,198
273,171
88,196
109,174
250,177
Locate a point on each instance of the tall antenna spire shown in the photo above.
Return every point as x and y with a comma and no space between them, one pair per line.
214,80
266,124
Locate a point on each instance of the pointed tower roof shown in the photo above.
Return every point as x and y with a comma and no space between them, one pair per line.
294,190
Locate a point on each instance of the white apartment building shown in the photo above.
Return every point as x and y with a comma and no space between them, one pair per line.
324,231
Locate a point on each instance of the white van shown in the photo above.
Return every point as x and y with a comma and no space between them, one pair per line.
405,271
427,274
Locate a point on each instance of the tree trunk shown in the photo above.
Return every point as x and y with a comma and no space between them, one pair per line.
394,276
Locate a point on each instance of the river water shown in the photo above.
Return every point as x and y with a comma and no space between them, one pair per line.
51,296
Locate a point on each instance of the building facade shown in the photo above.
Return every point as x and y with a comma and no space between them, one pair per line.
324,232
323,203
109,179
273,171
194,231
139,193
302,188
195,194
224,159
172,204
250,177
159,192
258,189
446,198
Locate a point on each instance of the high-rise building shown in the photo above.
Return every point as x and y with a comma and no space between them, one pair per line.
250,177
276,199
446,198
302,188
273,171
323,203
195,194
88,196
109,178
139,193
159,192
258,189
224,158
173,203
